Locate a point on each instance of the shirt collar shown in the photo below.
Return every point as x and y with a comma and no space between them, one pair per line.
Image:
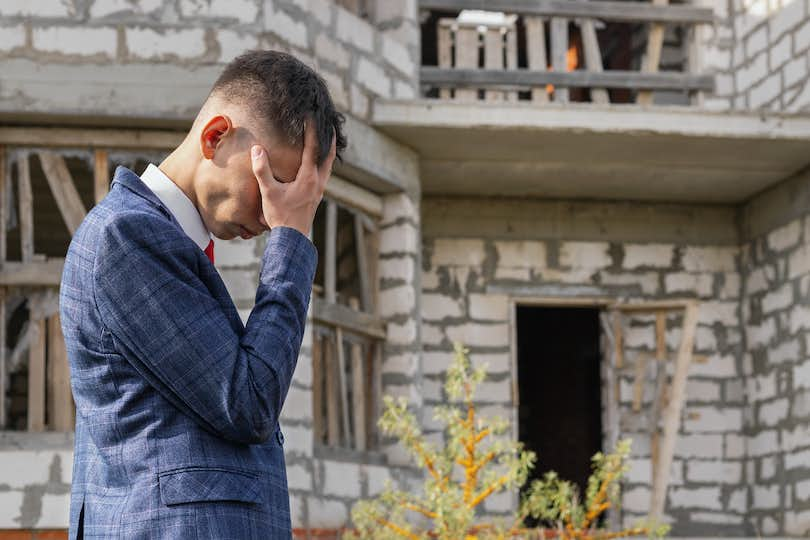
178,204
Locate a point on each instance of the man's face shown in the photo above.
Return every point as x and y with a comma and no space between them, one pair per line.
228,193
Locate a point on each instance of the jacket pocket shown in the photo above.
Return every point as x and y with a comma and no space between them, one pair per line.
194,484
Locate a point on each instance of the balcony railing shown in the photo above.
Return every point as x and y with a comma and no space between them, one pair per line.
562,50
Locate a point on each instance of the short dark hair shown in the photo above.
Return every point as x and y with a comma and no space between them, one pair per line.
285,91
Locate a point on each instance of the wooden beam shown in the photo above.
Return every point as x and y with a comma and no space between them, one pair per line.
518,78
618,339
653,306
64,190
317,387
336,315
353,196
536,52
341,382
101,174
330,262
493,58
3,359
606,11
36,273
640,379
332,394
376,392
362,266
136,139
559,54
661,335
652,58
61,410
5,179
467,57
358,390
445,51
593,57
26,198
672,416
36,378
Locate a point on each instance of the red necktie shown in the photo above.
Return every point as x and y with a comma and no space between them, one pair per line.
209,250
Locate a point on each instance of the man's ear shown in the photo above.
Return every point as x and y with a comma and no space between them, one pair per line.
212,133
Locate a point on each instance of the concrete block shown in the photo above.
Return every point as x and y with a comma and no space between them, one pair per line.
713,419
54,513
637,500
496,363
147,43
337,89
720,367
397,301
797,523
757,280
11,509
431,334
699,446
767,467
373,77
401,364
397,56
682,282
801,375
12,37
585,255
513,274
376,478
763,443
500,502
76,40
786,18
436,362
700,498
761,387
341,479
401,238
327,513
241,284
799,262
718,312
647,282
436,307
330,50
765,91
299,477
21,468
801,37
112,7
796,438
359,101
784,352
232,44
494,391
799,318
458,252
731,285
648,255
398,268
242,10
401,334
779,53
734,446
714,472
773,413
738,501
765,497
521,253
761,334
287,28
754,71
399,206
430,280
37,8
797,460
404,90
493,307
702,391
351,29
298,405
802,490
478,334
297,439
236,252
756,41
639,472
785,237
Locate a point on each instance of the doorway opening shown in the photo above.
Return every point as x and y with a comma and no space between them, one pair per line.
559,388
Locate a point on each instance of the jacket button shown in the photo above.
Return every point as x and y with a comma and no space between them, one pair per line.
280,437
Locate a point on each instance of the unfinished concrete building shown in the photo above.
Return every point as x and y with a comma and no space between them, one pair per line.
607,202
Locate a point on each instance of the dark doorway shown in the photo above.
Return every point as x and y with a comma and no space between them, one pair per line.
559,389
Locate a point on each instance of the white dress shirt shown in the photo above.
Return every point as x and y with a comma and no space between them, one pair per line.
178,204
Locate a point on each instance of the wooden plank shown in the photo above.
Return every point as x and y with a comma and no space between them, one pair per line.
37,273
64,190
655,414
493,58
593,57
652,58
607,11
357,322
511,57
559,54
135,139
445,50
341,381
332,394
101,174
317,388
376,392
467,57
661,335
330,262
353,196
640,379
358,390
652,306
362,265
536,53
36,378
26,207
672,415
61,409
4,191
518,78
618,339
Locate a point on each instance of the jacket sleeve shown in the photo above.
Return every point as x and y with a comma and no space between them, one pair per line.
172,330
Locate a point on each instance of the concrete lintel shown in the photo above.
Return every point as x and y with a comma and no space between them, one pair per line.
777,206
536,219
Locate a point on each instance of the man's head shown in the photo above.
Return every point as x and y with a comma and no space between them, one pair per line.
264,98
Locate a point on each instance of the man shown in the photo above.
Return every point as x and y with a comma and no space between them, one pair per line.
177,402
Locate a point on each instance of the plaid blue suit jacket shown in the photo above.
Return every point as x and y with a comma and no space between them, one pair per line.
177,402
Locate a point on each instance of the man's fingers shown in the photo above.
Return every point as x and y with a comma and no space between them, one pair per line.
309,156
261,167
326,167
